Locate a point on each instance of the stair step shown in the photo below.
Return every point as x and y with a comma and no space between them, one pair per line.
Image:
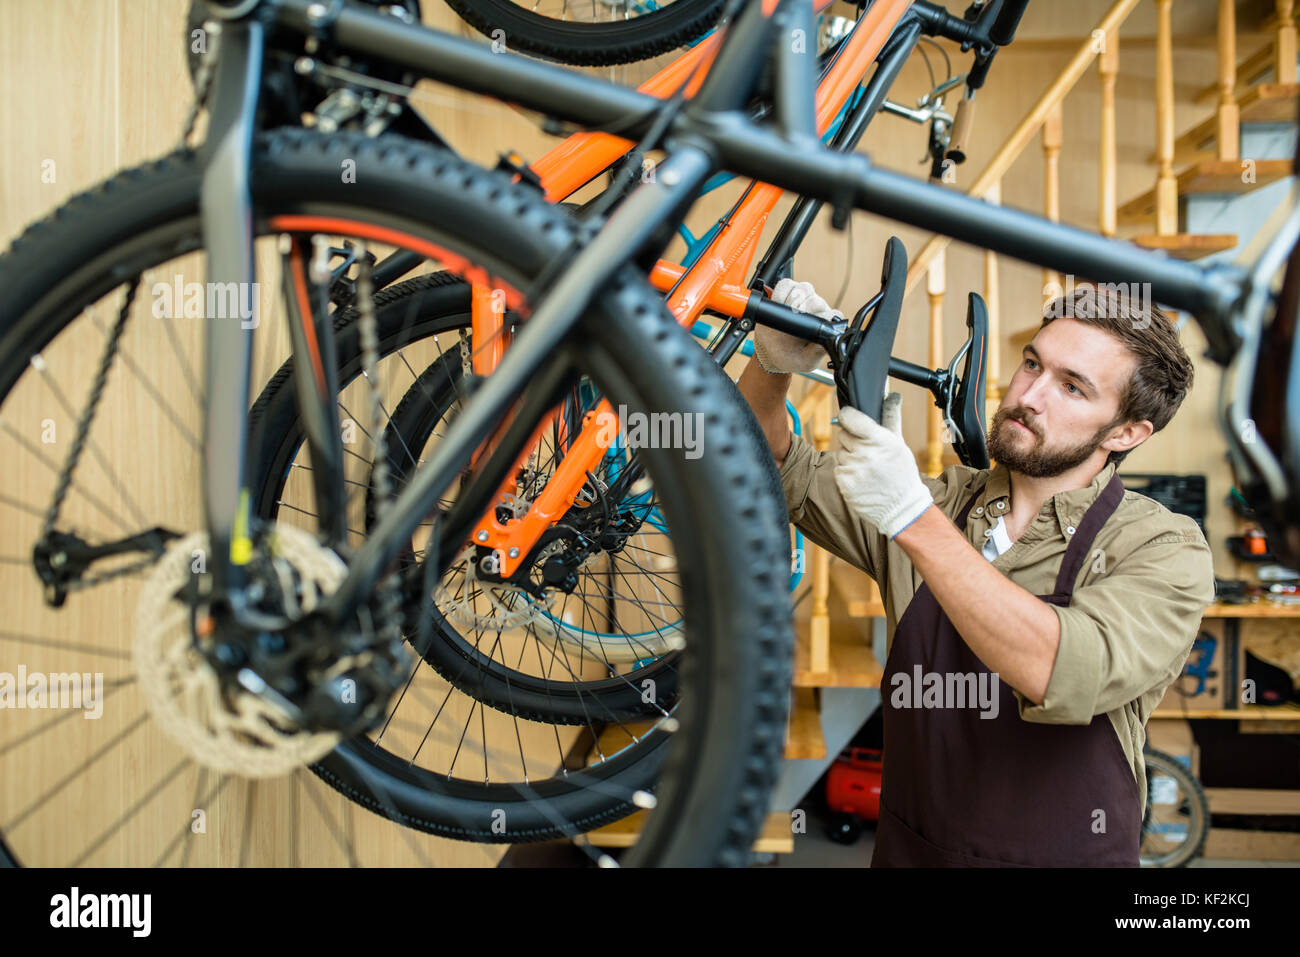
1262,103
1188,245
852,665
1206,177
1248,71
861,597
776,837
804,740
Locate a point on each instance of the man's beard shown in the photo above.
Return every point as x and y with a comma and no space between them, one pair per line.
1035,461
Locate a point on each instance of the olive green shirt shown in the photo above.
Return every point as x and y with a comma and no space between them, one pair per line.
1136,607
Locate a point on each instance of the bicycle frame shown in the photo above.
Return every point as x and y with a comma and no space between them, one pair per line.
716,279
713,280
709,133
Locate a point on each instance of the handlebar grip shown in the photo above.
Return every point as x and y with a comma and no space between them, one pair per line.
961,127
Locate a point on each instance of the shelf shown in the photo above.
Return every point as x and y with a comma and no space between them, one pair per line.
1253,801
1249,712
776,836
1261,609
1223,843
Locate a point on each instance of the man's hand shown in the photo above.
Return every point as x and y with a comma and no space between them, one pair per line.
778,352
876,471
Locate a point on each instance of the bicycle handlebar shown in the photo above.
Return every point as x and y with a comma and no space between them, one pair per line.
938,22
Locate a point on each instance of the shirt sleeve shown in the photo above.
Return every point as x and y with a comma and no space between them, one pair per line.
1129,632
818,509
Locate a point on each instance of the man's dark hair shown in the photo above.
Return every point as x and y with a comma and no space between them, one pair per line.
1163,375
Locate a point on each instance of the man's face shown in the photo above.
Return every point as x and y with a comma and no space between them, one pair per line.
1062,401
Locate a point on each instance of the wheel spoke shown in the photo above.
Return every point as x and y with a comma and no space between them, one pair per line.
131,812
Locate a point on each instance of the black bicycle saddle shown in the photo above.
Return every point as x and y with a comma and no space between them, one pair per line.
861,363
967,411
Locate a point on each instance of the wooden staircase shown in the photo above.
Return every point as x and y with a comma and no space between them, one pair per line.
1262,87
1261,103
1212,147
1209,176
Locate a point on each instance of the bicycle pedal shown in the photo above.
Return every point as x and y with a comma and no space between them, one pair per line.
513,162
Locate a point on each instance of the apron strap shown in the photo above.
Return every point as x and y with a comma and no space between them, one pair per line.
961,516
1076,553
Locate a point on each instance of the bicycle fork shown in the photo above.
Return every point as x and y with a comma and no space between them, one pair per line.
226,209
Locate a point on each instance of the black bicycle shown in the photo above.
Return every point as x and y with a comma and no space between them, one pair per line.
262,646
591,32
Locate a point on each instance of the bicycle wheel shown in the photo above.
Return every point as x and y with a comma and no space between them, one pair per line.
1177,819
717,751
628,555
591,32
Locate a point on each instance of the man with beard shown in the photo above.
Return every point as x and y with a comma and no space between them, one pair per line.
1080,600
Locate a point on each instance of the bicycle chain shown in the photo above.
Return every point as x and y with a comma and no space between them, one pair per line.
83,424
202,80
388,593
91,581
64,482
466,362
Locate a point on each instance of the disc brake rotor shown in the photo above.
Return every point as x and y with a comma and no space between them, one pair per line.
486,604
232,731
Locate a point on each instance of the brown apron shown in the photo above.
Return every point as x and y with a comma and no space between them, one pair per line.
961,790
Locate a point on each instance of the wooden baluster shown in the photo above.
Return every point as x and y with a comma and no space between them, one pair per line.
1052,129
819,635
934,286
1229,135
992,298
1284,50
1107,68
1166,184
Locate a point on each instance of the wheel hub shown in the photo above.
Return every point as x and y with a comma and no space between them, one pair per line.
241,726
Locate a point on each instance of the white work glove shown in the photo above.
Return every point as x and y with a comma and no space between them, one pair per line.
876,472
778,352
